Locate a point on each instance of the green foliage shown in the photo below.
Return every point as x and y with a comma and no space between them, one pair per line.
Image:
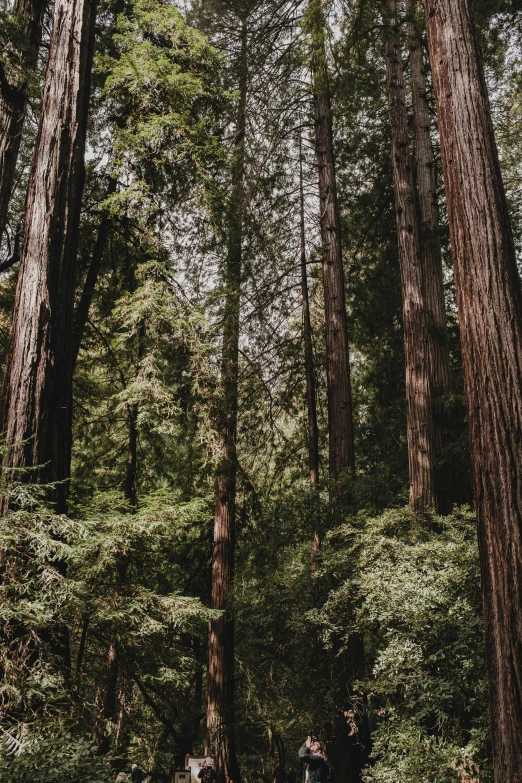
410,586
163,84
62,759
416,580
100,578
14,46
125,577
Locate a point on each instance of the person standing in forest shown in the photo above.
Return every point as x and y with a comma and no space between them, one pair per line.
137,775
291,776
206,774
279,775
312,754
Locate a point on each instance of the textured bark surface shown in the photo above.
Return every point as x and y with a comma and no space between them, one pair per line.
220,674
36,406
13,100
431,260
311,404
489,302
421,446
340,414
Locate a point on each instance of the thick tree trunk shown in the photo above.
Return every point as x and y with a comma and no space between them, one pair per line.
340,412
311,404
489,299
431,260
220,674
421,445
13,100
340,415
36,411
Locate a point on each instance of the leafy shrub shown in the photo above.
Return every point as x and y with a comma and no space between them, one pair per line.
63,759
416,582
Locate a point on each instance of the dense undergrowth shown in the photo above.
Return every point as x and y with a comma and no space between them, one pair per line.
408,584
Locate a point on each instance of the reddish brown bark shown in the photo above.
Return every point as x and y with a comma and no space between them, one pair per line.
311,404
36,411
340,414
431,261
13,99
421,445
489,299
220,674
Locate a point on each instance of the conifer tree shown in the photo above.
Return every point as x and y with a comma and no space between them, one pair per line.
489,298
340,414
220,714
36,410
311,402
431,265
311,398
419,390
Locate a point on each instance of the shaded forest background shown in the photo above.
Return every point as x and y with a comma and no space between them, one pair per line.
200,112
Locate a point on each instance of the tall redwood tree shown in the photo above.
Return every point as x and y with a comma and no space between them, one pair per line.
432,268
346,752
36,409
220,674
340,413
311,400
489,299
419,394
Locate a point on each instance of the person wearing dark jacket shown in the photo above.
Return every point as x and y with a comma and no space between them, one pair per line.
318,770
137,775
279,775
291,777
206,773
